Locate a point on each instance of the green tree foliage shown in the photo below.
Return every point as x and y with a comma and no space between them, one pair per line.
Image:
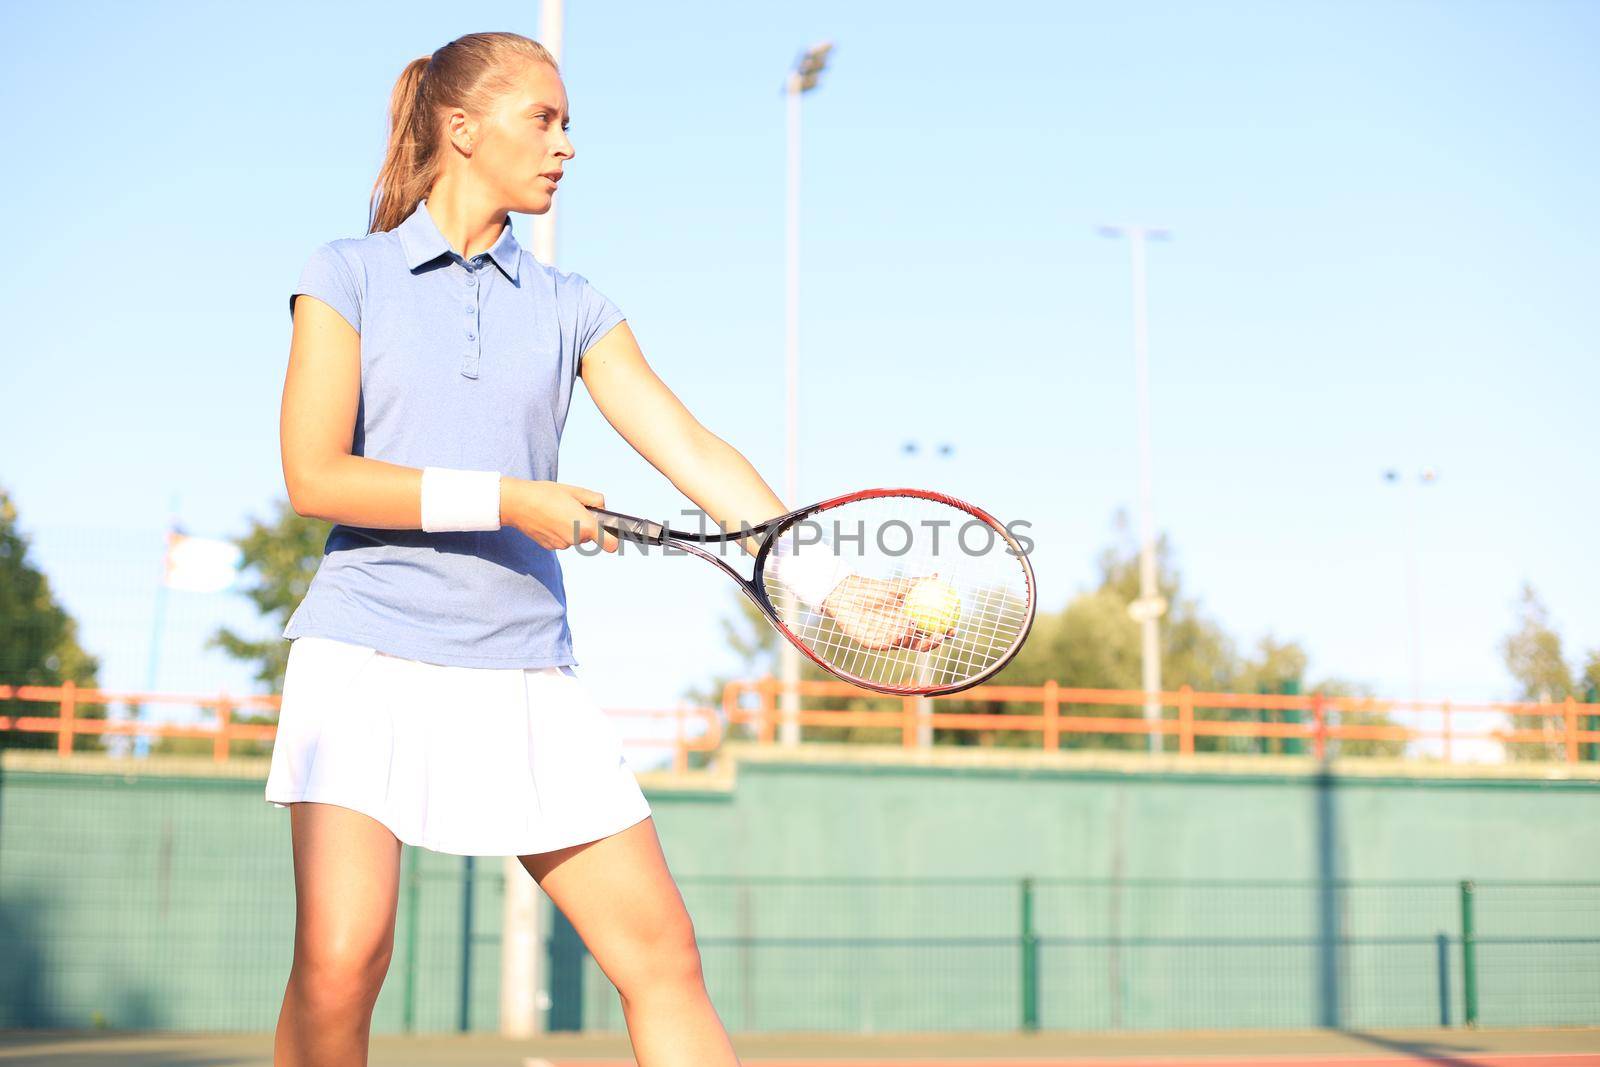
38,639
280,555
1092,643
1536,662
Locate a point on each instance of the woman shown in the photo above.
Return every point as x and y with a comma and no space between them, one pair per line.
430,696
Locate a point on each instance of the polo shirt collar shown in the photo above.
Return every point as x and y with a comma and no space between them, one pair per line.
422,242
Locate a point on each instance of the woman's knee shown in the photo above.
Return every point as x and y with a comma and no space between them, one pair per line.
667,955
343,973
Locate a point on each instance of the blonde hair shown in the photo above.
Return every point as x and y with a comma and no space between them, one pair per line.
470,72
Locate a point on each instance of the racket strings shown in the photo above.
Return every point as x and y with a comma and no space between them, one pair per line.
913,562
984,634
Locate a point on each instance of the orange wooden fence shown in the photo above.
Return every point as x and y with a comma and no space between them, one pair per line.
223,729
1568,725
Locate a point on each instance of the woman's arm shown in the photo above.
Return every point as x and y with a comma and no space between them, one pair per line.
714,475
317,425
651,418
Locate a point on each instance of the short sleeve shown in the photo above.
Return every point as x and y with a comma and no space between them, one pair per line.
596,316
328,278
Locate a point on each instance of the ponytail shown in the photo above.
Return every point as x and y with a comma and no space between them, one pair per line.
407,171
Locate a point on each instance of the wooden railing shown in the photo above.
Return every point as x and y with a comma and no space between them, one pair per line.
1311,721
1317,719
223,729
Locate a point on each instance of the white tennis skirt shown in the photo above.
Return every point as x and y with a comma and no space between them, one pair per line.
470,761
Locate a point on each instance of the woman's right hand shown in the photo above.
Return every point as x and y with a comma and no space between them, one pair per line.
554,514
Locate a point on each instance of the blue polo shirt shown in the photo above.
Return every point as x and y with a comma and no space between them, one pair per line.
467,364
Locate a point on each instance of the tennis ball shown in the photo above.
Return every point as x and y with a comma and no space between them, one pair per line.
932,605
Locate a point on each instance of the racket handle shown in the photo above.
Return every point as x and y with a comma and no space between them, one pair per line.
631,528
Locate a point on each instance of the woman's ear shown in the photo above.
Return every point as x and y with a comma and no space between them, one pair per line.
461,130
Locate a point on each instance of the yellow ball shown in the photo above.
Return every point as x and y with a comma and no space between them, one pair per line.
933,606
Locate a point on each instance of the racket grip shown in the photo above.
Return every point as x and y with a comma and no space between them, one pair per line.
631,528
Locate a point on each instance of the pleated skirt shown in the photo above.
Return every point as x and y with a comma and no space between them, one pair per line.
469,761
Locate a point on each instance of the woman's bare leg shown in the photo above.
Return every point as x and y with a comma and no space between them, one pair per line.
346,882
620,897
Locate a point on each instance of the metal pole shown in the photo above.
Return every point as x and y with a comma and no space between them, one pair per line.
788,655
119,744
524,978
1469,956
551,22
1413,606
1150,639
464,1013
801,79
412,889
1411,488
1030,960
1150,606
925,661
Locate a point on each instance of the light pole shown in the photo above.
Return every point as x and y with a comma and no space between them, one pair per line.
551,25
524,980
924,705
802,79
1426,476
1150,606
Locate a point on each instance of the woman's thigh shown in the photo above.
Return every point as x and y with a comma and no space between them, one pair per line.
620,897
347,883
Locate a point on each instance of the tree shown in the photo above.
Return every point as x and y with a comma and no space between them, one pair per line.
282,554
1093,643
1533,653
1534,658
38,639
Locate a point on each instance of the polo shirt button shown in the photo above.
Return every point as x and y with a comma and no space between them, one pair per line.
471,336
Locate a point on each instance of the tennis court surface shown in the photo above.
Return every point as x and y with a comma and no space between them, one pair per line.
1397,1048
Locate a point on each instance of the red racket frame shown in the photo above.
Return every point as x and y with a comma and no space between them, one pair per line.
644,531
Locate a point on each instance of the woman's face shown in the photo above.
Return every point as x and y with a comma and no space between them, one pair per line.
521,145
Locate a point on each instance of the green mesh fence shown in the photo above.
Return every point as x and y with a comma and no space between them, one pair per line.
168,903
1537,949
868,955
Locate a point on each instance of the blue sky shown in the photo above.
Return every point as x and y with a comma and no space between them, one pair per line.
1386,244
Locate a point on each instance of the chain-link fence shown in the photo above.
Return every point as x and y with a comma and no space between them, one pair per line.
168,903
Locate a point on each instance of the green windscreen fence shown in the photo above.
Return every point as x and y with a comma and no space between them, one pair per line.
168,903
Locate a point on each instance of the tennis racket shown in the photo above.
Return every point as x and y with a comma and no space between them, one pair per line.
899,591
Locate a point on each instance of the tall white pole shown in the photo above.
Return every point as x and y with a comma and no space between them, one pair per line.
524,978
544,226
801,79
1150,639
924,664
1150,606
791,458
789,656
1411,488
1413,598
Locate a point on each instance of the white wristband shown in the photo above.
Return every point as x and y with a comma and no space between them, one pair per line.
809,575
460,500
